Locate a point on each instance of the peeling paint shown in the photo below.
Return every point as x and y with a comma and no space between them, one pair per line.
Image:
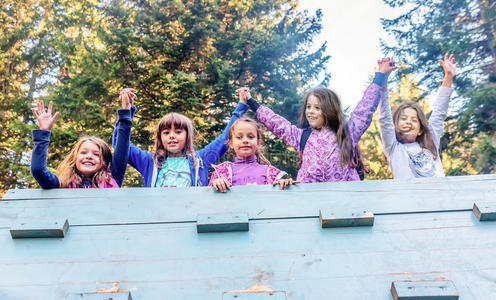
114,289
257,288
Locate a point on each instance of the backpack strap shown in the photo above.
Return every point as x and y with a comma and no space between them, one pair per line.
303,141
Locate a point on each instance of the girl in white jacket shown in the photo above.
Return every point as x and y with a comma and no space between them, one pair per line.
411,143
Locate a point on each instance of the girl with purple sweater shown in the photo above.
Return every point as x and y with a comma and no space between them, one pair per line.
330,151
250,165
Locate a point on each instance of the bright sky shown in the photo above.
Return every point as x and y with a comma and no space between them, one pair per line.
352,30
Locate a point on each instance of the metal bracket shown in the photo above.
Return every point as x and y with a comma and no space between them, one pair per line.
432,290
40,229
222,222
329,218
485,212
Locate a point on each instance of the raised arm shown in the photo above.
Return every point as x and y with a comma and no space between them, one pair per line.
137,157
277,124
386,123
123,135
361,117
440,108
41,139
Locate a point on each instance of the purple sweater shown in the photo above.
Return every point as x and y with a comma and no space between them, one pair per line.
321,162
248,171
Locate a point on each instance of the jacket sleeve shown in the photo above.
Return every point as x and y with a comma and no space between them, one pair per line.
39,170
137,158
121,147
386,124
278,125
214,151
361,117
439,112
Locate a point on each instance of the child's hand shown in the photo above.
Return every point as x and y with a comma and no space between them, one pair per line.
449,65
221,184
386,65
285,183
45,118
126,97
244,94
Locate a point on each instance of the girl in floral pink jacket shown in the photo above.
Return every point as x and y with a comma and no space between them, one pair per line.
329,153
250,165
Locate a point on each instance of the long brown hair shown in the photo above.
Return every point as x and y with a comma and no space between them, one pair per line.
179,121
334,119
68,174
260,153
425,138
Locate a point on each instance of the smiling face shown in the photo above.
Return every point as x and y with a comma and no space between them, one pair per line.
408,125
88,159
244,139
313,112
174,140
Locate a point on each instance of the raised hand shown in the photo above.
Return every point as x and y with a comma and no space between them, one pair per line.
386,65
127,97
45,118
285,183
449,65
221,184
244,94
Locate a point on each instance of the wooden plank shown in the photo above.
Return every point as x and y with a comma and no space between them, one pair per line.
40,229
222,222
471,182
130,206
254,296
330,218
485,211
100,296
424,290
296,256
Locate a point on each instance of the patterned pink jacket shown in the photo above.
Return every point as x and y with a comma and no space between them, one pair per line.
320,161
225,170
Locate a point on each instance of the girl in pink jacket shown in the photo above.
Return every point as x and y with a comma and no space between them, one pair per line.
330,151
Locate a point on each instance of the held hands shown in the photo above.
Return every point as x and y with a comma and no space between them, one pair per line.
45,118
449,66
127,97
386,65
285,183
244,94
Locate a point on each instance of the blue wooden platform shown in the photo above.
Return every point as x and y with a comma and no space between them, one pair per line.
144,241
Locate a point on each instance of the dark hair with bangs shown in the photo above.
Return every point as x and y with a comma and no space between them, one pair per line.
178,121
334,119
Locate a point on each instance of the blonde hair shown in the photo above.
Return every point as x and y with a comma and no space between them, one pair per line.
68,173
179,121
335,120
425,138
260,152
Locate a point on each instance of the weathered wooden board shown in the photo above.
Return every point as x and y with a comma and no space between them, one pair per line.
434,184
136,206
292,255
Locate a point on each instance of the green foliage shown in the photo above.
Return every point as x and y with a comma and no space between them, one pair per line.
466,28
184,56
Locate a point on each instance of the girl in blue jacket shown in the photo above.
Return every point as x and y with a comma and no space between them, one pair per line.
90,163
175,163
